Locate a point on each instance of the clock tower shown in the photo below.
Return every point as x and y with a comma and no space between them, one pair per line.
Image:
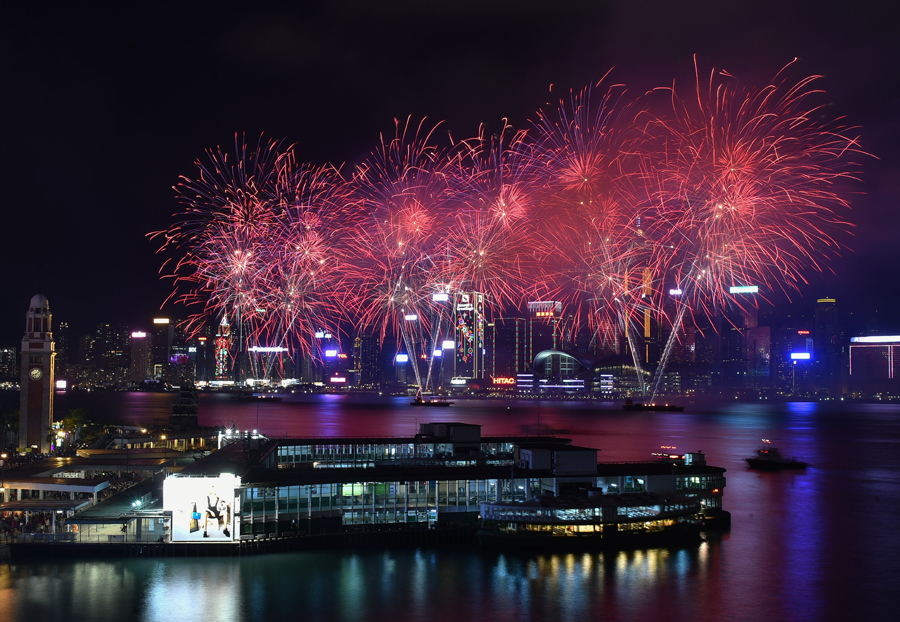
36,385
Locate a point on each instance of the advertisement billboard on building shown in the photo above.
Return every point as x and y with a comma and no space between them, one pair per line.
202,508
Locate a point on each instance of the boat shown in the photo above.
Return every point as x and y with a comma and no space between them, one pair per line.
652,407
249,396
602,520
434,402
769,458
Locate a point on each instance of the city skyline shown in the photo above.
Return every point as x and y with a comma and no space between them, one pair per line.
742,353
131,114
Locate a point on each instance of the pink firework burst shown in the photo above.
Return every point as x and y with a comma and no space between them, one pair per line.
491,243
748,186
598,253
401,193
222,234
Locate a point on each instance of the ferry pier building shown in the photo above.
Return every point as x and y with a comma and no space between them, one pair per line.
440,478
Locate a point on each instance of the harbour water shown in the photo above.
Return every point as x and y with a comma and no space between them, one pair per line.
820,544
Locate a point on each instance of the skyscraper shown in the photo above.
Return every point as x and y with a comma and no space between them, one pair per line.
140,357
223,350
543,325
61,336
9,370
366,359
828,346
468,313
160,346
508,347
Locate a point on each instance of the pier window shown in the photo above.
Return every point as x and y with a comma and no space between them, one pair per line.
635,484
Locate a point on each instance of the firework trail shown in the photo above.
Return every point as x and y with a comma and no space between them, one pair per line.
257,246
307,257
747,185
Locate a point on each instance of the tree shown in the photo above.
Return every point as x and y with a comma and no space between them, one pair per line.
9,427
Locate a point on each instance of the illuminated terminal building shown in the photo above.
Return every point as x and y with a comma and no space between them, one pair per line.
439,477
254,487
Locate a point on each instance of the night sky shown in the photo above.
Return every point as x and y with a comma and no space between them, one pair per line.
104,110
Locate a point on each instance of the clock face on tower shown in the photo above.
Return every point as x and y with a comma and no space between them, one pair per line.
35,373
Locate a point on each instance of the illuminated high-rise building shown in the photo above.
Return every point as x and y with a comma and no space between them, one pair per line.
875,364
140,357
61,336
543,328
160,346
366,359
828,345
741,315
200,354
223,350
468,314
9,370
508,347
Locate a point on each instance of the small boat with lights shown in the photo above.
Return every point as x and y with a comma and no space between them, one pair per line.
769,458
632,406
434,402
249,396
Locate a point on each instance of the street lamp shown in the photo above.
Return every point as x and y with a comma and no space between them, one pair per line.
165,453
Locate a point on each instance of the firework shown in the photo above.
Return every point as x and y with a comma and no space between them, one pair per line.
746,185
222,231
257,246
402,192
603,204
491,242
598,253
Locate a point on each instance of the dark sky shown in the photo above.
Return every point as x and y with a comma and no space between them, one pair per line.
104,109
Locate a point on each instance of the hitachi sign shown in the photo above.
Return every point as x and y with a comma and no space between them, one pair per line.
504,380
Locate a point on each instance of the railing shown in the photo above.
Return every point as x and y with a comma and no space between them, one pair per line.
75,538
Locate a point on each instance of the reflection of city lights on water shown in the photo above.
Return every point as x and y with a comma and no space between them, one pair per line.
703,554
587,564
533,570
683,561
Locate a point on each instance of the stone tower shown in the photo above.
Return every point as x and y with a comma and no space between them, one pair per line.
36,385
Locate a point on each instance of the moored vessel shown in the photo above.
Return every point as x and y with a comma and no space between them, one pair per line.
249,396
769,458
632,406
433,402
